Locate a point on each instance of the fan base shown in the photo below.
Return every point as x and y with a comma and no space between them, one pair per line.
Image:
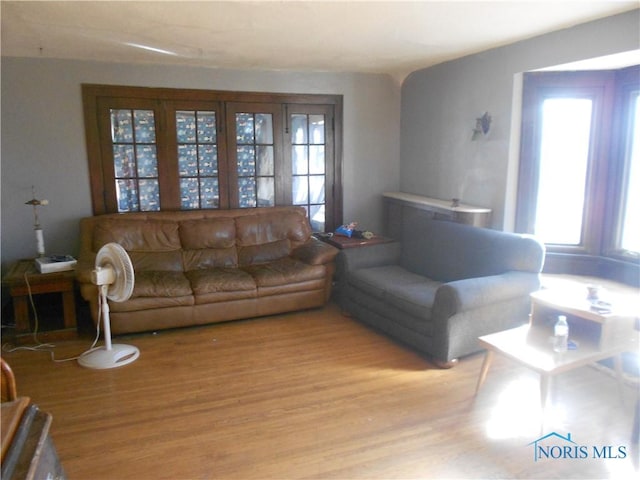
100,358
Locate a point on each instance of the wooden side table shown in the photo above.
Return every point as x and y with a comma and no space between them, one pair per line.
24,277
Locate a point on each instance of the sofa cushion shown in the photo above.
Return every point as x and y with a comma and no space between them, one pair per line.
210,258
267,227
284,271
219,280
208,233
156,261
138,235
161,284
407,291
264,253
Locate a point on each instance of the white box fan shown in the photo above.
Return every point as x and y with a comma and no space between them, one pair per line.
113,275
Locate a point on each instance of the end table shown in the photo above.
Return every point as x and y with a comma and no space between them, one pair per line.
24,277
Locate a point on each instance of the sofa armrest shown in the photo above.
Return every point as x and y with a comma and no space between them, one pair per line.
315,252
462,295
83,269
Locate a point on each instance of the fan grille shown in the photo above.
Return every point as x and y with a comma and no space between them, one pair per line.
114,256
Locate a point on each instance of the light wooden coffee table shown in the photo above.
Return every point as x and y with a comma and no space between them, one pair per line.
597,336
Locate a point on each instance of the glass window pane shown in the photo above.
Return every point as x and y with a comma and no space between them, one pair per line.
186,126
208,160
630,239
209,193
564,154
147,161
264,128
246,159
188,160
149,195
266,192
265,160
317,218
206,127
316,129
300,160
145,126
244,129
189,195
316,159
316,189
121,126
127,195
247,192
299,129
300,190
124,161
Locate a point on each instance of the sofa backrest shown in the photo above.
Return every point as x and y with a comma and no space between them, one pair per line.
188,240
446,251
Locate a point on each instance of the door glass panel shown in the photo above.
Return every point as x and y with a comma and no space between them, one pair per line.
316,159
265,159
564,155
209,193
244,128
316,189
189,193
300,156
247,192
147,161
255,159
299,129
197,159
316,129
133,135
300,190
266,192
308,165
127,196
149,195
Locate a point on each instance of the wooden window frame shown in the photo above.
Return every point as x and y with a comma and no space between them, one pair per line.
98,98
596,254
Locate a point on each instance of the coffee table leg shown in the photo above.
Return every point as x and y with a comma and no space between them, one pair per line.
545,381
617,365
488,358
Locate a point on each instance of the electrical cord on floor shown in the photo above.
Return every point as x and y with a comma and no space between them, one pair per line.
48,347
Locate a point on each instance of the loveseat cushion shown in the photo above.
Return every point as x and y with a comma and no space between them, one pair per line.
407,291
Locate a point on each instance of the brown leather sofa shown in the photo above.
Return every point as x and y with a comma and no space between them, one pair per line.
205,266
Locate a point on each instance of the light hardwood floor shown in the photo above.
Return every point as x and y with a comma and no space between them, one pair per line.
313,394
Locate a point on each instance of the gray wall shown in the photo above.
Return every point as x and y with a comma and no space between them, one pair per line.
440,105
43,141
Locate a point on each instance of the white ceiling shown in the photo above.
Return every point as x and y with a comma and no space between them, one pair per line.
394,37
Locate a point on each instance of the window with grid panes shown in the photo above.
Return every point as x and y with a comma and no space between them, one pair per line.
165,149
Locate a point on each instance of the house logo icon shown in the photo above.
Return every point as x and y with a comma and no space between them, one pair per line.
554,445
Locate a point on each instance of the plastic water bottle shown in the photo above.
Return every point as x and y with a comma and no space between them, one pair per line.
560,334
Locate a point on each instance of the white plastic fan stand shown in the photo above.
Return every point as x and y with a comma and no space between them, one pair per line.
108,356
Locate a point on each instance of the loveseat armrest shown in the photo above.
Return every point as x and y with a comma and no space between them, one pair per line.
315,252
462,295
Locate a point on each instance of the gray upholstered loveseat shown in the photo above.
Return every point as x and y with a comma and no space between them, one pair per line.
442,286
